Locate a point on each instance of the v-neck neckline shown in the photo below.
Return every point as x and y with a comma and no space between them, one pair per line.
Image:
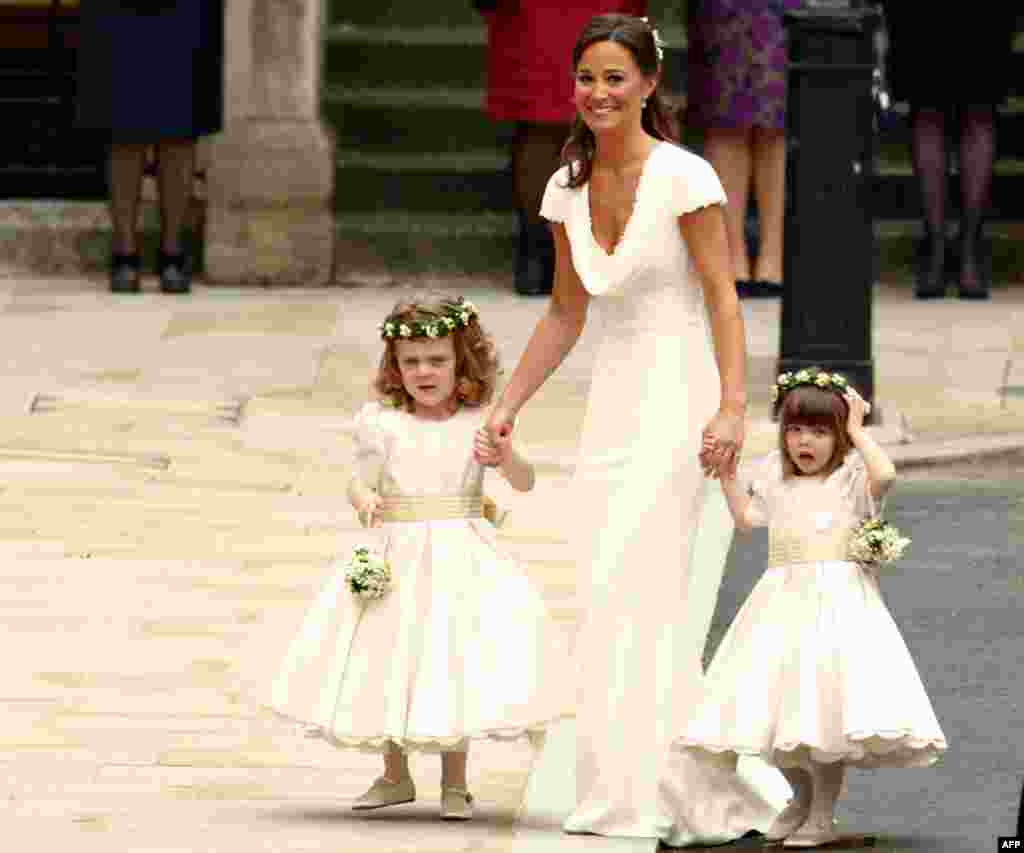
632,214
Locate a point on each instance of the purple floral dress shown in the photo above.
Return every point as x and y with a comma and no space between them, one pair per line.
736,76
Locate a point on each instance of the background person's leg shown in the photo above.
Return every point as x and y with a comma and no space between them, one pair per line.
769,173
536,154
729,152
126,164
928,153
977,154
176,170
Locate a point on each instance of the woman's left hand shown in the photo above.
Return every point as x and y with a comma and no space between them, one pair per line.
722,444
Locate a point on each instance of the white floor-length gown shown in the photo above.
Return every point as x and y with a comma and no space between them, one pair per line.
651,532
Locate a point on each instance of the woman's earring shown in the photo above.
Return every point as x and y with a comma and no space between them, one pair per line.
643,103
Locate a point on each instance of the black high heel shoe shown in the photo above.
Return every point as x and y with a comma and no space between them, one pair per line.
931,266
175,272
975,251
124,273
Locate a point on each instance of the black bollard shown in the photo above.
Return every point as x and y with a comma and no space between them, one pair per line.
829,253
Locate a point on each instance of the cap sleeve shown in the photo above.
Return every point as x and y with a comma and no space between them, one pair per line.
694,184
370,444
759,485
854,485
554,205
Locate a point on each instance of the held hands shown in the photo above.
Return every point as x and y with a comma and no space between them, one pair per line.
366,507
493,441
859,409
722,443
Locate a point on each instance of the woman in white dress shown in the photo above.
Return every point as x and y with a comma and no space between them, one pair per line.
640,237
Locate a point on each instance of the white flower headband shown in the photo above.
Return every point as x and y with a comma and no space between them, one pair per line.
659,44
808,376
455,315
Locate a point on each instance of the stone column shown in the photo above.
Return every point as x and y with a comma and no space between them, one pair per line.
271,172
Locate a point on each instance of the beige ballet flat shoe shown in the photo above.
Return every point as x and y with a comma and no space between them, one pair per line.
384,793
813,835
788,821
456,803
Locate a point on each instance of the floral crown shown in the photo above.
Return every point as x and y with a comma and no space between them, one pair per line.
808,376
455,315
659,44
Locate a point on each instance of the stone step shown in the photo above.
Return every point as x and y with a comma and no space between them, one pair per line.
430,55
448,13
385,246
471,181
409,120
67,238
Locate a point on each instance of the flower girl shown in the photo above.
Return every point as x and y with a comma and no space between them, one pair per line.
432,638
813,674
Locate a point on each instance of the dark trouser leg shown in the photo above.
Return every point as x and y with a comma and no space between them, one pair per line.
928,149
977,154
535,157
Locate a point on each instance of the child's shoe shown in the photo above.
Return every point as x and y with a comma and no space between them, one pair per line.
385,793
789,820
813,834
456,803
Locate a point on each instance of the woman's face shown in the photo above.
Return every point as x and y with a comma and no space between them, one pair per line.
427,366
610,87
810,447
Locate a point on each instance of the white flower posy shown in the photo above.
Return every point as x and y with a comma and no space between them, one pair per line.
368,575
876,541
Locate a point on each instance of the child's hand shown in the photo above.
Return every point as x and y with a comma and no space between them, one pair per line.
858,410
490,451
366,507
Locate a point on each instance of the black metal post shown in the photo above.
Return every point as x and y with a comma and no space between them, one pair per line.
829,253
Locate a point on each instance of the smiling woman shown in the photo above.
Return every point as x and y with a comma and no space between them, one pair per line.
640,238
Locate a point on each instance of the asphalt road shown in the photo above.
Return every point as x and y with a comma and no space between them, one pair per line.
956,597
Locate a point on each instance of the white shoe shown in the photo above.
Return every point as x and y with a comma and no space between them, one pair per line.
456,803
788,821
385,793
813,834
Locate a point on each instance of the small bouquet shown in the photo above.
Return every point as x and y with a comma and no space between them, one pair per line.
367,575
876,541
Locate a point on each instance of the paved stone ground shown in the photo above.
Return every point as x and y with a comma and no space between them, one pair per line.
172,477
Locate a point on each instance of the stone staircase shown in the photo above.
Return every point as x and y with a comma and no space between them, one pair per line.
423,181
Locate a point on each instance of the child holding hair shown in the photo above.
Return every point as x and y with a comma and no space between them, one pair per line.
813,674
460,647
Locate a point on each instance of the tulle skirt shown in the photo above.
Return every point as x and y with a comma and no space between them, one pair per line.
460,648
814,667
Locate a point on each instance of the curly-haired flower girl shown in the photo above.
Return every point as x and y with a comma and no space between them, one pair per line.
439,638
813,674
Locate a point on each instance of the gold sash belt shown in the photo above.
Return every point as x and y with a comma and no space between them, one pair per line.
783,550
432,508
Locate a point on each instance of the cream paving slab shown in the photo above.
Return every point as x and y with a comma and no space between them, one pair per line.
291,317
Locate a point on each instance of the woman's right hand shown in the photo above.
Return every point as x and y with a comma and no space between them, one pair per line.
498,428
